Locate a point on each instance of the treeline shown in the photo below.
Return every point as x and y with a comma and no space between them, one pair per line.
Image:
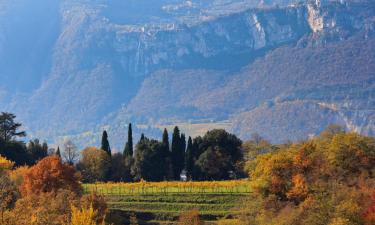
15,150
215,156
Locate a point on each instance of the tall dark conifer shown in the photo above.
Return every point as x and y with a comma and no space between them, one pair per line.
58,153
183,143
166,138
189,159
178,153
105,143
128,151
167,161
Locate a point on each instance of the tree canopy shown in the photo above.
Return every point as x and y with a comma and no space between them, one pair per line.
9,128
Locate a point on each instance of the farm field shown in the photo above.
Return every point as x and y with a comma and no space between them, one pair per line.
162,202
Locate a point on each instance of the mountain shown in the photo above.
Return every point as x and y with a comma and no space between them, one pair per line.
282,68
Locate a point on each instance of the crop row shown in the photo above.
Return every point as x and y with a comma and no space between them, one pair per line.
118,189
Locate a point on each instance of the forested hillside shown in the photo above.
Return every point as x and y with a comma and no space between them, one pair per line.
249,64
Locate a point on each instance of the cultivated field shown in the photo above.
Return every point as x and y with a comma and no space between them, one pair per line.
162,202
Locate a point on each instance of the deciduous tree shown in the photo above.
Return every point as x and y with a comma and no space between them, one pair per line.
50,175
94,165
70,153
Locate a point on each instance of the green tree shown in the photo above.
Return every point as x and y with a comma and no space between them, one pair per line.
94,165
224,147
58,153
149,161
121,168
178,153
9,128
166,139
15,151
189,159
128,151
197,151
36,150
105,143
166,155
9,147
183,144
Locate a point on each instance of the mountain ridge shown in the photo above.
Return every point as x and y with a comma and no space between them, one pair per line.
107,72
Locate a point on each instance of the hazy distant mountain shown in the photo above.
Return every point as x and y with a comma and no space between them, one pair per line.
282,68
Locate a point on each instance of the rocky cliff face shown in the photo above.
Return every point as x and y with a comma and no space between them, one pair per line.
88,64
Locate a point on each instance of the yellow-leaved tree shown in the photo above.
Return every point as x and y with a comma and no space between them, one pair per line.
84,216
5,164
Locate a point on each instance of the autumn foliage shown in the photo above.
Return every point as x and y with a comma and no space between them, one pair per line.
5,164
325,180
369,215
50,175
190,218
84,216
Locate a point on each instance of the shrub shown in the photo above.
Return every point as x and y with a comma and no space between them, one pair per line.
190,218
53,208
84,216
96,202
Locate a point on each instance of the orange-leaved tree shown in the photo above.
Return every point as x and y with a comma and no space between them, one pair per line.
369,215
50,175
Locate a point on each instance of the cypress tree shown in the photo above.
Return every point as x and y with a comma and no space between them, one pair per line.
128,151
166,138
197,151
189,159
182,150
58,153
167,156
178,153
183,144
105,143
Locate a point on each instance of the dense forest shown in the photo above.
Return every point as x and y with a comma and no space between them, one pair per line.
327,179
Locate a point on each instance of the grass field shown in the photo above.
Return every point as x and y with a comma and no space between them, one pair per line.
162,203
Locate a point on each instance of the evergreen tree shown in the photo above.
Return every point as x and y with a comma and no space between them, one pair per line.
166,138
178,153
197,151
189,159
220,154
142,137
58,153
166,156
45,147
128,151
149,161
36,150
9,128
105,143
183,144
